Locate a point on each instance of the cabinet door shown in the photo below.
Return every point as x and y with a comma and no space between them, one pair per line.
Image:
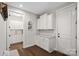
46,21
43,43
52,43
45,18
50,21
43,23
40,41
46,44
38,23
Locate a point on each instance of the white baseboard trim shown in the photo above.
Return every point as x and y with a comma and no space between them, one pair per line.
71,52
28,46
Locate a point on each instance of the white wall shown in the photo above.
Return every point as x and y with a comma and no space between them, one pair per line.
29,34
2,35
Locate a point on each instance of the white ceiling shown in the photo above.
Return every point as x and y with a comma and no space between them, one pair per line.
37,7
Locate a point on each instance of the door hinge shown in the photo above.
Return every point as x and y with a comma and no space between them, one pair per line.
9,26
76,8
76,22
76,37
9,35
76,51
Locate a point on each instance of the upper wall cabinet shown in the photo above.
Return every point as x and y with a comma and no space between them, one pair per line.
41,23
46,21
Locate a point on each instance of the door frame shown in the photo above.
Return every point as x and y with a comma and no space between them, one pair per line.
7,29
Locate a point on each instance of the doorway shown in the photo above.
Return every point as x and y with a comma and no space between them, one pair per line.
14,30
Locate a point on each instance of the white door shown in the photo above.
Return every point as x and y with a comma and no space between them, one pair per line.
66,30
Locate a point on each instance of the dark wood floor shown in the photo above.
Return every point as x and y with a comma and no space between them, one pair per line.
18,45
34,51
37,51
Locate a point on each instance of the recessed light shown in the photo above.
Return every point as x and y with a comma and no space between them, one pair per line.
20,5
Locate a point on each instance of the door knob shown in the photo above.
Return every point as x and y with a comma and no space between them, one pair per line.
58,36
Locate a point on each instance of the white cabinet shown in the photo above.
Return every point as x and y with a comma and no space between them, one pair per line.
46,43
40,41
38,24
46,22
41,22
50,21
